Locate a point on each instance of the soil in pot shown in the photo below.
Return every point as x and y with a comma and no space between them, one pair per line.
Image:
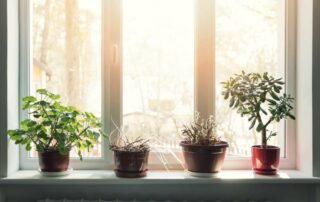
131,164
53,161
204,158
265,160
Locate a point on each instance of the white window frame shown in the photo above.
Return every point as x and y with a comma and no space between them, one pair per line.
204,87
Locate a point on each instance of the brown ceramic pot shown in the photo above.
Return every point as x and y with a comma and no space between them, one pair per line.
53,161
204,159
265,160
131,164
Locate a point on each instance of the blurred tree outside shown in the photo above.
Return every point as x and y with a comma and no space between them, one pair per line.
66,44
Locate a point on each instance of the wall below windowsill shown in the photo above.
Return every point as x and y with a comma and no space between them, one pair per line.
158,177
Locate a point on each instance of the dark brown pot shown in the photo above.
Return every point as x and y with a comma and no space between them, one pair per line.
131,164
204,159
53,161
265,160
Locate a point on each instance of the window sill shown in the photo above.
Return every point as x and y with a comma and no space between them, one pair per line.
158,177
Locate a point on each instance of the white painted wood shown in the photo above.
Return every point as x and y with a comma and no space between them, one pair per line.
158,177
304,85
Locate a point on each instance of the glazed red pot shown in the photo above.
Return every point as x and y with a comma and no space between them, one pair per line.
131,164
53,161
265,160
204,158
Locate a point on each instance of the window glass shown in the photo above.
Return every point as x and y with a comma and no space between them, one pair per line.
66,53
249,37
158,69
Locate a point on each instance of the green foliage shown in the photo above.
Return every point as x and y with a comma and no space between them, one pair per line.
54,127
201,132
258,96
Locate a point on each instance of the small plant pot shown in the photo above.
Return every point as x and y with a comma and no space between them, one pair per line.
131,164
265,160
53,161
204,159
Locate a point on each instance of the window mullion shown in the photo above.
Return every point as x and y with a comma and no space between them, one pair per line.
25,47
112,65
205,57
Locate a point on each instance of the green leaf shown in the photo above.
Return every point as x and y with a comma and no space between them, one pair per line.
272,101
292,117
252,123
42,91
260,127
28,147
226,95
29,99
276,89
237,103
264,111
274,96
232,100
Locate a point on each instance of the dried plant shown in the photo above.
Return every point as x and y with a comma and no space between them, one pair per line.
200,131
123,143
137,145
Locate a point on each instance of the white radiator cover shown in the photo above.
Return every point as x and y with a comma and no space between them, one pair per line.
82,200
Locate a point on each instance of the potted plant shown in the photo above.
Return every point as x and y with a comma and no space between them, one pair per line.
259,97
202,148
53,130
130,156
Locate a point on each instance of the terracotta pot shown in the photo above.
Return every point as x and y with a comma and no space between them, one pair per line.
265,160
53,161
204,159
131,164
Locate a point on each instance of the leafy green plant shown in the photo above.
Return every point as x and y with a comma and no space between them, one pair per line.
252,93
200,131
54,127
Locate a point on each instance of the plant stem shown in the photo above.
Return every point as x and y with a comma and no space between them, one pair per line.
264,129
264,138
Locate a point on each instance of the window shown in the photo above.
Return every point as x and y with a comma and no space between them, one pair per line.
149,64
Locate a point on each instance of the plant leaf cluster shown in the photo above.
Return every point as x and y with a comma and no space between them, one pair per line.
200,131
257,96
52,126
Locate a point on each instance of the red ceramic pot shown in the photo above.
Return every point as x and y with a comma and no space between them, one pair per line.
265,160
131,164
53,161
204,158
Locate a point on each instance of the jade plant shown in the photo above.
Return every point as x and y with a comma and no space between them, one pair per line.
52,126
200,131
259,97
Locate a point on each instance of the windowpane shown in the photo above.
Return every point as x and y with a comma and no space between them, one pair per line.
158,69
66,53
249,37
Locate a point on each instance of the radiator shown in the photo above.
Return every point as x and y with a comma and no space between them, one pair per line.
82,200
